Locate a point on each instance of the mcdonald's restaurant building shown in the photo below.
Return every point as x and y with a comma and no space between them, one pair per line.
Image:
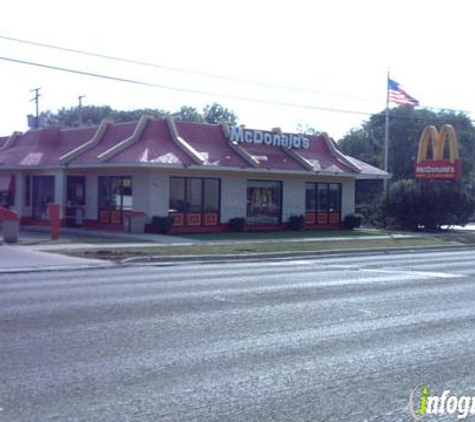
203,175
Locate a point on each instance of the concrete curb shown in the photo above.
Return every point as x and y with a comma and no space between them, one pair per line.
184,259
58,268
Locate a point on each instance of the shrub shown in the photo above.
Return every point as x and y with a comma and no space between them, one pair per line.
237,224
369,212
296,222
352,221
162,224
425,205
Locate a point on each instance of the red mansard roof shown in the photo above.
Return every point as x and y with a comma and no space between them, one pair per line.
43,147
210,142
155,145
162,143
114,134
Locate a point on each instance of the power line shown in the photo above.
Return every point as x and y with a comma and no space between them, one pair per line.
188,90
181,70
199,92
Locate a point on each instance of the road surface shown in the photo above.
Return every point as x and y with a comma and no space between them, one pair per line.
333,339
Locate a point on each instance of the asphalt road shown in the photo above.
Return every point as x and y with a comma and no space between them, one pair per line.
334,339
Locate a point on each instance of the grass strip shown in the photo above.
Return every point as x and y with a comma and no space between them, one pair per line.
283,235
123,253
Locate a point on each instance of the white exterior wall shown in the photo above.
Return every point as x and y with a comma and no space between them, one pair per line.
19,194
159,200
348,198
293,198
233,198
141,192
60,191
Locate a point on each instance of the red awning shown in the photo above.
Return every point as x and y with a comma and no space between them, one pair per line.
6,183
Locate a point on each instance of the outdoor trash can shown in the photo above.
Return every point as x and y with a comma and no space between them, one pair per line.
134,222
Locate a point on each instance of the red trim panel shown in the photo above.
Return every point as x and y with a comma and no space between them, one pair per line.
94,224
193,219
309,217
322,218
104,217
211,219
178,219
334,218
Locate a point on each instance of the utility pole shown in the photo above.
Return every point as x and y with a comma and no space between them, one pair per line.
36,99
80,108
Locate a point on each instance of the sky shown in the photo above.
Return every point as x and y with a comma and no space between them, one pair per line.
332,54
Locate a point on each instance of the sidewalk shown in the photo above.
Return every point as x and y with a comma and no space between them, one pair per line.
38,233
23,259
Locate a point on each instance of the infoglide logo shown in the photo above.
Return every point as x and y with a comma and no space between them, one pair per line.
422,403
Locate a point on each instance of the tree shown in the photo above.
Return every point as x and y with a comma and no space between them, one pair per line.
93,115
306,129
215,113
189,114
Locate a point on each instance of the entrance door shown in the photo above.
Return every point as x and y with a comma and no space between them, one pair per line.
75,200
42,196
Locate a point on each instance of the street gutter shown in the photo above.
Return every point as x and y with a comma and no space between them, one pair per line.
267,256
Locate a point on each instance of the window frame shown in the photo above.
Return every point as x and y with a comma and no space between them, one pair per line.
120,207
281,198
316,190
187,181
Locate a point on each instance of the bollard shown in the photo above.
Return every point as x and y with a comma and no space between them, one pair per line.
10,231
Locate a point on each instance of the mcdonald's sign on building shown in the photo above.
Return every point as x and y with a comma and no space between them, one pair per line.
438,167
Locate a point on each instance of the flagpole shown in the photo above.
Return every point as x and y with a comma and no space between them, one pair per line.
386,134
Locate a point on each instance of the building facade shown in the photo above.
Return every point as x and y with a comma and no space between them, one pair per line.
203,175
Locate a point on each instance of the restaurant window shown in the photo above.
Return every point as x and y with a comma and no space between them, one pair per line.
210,195
323,197
310,196
264,202
115,193
194,194
334,197
322,194
177,194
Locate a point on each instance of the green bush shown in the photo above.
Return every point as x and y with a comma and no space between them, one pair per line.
162,224
237,224
423,205
352,221
296,222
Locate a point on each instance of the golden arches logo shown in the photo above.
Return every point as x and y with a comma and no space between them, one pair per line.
438,168
438,140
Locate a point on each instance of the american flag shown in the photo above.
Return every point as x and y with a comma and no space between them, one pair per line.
398,95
